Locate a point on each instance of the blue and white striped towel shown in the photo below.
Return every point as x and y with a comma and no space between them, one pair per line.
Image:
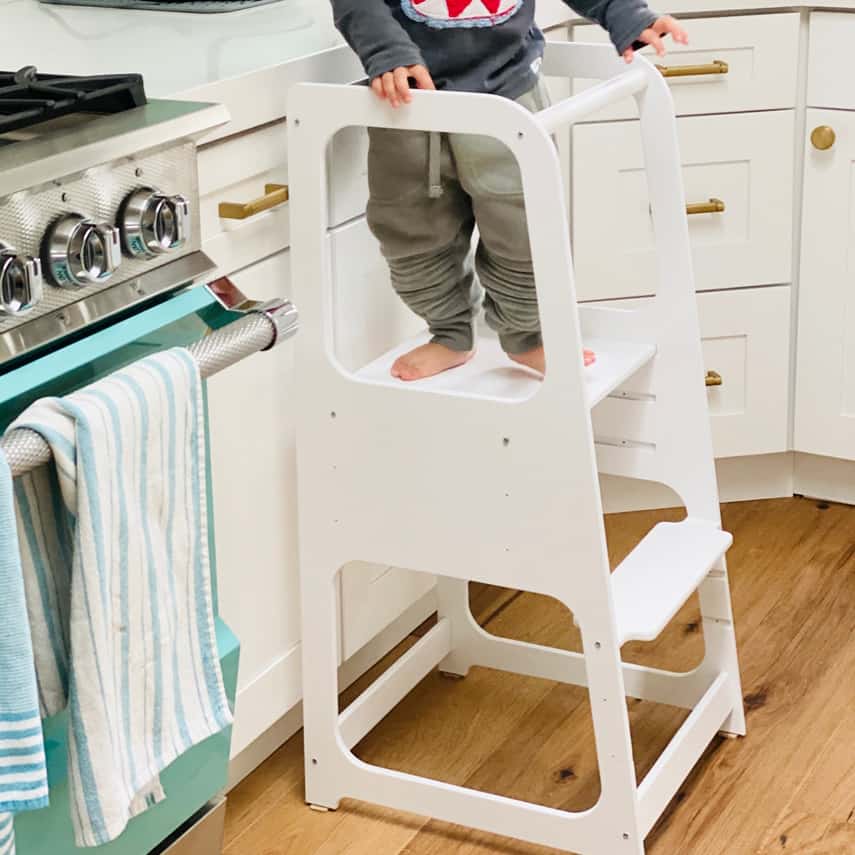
23,774
126,636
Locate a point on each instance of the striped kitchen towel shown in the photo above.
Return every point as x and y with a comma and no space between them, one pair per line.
114,543
23,774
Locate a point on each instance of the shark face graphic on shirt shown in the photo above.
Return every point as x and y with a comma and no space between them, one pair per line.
460,13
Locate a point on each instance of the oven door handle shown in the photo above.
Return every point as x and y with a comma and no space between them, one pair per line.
261,327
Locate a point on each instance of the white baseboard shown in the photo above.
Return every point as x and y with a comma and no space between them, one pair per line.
768,476
825,478
285,678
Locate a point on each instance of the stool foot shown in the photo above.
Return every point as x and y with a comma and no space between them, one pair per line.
448,675
319,808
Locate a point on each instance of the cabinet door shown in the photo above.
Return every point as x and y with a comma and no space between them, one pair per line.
744,160
255,515
825,383
369,320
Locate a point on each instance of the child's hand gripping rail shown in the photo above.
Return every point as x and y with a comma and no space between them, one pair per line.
317,112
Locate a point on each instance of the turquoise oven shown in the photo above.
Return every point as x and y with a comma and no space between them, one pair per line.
100,265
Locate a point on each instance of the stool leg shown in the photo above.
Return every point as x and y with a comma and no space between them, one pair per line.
620,832
720,641
453,603
320,654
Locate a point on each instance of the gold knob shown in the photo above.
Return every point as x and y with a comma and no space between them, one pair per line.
823,137
713,378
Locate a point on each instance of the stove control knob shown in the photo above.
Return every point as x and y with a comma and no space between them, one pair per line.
153,223
80,252
20,282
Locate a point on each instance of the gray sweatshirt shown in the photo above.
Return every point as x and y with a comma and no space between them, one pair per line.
491,46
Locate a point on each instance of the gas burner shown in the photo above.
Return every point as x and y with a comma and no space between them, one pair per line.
28,98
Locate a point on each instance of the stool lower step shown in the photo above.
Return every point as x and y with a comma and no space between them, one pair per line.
492,375
661,573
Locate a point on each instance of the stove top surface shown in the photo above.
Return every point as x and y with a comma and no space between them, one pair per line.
28,98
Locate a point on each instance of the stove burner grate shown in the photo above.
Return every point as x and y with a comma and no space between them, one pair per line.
27,97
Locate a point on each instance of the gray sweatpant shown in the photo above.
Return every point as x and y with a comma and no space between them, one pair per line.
427,193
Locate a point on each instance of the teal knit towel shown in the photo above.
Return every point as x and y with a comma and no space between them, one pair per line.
23,773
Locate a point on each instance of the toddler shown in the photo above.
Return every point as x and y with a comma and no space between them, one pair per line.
429,191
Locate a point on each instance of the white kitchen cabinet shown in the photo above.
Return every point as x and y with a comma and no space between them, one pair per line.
370,319
832,35
760,54
253,464
746,345
744,160
825,382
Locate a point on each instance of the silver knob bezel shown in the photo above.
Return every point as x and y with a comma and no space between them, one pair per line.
30,272
80,252
141,222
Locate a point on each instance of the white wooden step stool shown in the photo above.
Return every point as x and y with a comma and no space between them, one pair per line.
485,473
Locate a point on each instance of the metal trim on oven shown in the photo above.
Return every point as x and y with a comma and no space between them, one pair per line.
183,272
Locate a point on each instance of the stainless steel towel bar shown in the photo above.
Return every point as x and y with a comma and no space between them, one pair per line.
260,329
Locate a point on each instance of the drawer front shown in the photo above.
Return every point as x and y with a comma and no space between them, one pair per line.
236,244
227,162
746,344
830,65
744,160
238,169
761,54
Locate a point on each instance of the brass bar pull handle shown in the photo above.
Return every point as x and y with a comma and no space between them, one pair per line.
714,206
274,194
713,378
717,66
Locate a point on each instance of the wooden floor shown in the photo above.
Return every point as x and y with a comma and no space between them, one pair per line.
788,787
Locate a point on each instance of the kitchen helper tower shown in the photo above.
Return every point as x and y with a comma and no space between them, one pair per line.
486,473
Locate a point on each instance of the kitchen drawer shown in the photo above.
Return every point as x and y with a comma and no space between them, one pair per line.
830,65
238,169
203,837
761,53
228,162
746,345
744,160
235,244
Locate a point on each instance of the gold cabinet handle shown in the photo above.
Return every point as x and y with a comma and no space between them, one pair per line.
823,137
717,66
274,194
713,378
714,206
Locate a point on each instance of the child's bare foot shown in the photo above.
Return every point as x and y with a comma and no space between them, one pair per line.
537,360
429,359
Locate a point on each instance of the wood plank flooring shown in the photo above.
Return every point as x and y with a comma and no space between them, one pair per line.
789,787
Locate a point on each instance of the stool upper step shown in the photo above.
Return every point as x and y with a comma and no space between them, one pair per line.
661,573
492,375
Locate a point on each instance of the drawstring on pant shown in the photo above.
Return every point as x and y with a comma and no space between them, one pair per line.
435,166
